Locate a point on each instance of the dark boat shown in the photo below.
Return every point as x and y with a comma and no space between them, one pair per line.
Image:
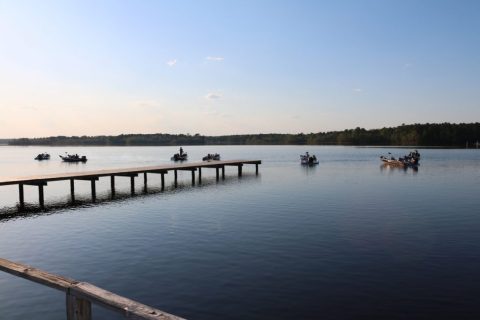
181,156
42,156
210,157
73,158
308,159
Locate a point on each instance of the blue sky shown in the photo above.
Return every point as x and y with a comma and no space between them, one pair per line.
231,67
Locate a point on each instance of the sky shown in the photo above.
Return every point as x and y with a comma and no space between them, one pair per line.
233,67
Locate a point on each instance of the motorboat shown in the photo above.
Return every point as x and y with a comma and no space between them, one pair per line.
42,156
210,157
410,160
73,158
308,159
179,157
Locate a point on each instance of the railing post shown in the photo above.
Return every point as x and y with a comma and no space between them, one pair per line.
78,309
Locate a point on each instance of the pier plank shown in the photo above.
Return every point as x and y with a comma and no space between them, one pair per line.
87,175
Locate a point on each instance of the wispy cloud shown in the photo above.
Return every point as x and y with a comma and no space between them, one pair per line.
357,90
213,96
407,65
172,62
210,58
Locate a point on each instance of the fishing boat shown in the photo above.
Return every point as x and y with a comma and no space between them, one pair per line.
73,158
210,157
42,156
308,159
410,160
180,156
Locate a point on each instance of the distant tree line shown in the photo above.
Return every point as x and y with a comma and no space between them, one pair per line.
430,134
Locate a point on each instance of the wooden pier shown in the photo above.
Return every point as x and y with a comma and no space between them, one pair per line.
41,181
81,295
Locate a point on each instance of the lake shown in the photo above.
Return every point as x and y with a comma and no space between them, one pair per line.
346,239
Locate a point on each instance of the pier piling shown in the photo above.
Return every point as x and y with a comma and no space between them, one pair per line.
112,185
72,190
20,196
41,180
94,191
41,199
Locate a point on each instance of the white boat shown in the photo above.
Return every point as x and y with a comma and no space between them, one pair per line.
410,160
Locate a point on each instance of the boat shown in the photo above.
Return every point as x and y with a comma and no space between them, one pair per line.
308,159
73,158
180,156
210,157
410,160
42,156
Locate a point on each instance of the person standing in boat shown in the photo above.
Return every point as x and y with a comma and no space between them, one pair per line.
181,151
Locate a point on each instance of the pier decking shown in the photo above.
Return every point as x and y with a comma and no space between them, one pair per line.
41,180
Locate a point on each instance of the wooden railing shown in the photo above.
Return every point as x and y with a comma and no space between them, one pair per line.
81,295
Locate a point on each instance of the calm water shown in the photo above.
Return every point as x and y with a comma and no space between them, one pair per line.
346,239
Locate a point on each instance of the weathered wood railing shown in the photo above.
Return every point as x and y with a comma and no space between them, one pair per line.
80,295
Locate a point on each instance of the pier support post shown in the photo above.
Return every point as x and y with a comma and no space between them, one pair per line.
193,177
217,173
72,190
132,185
240,170
145,181
112,185
256,169
163,181
20,196
199,175
175,177
78,309
94,191
223,172
40,196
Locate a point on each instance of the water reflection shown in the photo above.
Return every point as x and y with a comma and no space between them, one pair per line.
107,197
384,167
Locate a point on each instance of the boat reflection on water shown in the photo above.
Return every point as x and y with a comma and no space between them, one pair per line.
385,167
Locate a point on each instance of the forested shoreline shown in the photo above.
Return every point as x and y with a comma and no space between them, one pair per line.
441,135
